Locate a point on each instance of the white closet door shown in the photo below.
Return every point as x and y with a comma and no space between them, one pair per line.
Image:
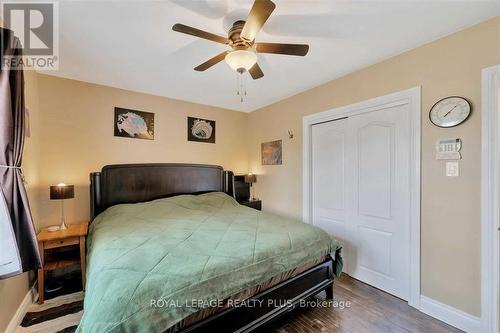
379,206
328,179
361,194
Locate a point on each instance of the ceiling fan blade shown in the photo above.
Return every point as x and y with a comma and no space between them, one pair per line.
199,33
256,72
209,63
260,12
277,48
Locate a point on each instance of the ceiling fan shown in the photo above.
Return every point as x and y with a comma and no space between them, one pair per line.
241,38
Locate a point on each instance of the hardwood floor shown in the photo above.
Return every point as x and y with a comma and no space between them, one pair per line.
371,311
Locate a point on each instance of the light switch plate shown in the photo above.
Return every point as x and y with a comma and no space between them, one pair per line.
452,169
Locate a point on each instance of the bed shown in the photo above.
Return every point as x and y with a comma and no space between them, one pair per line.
170,250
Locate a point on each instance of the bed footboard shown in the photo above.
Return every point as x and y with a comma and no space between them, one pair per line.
270,304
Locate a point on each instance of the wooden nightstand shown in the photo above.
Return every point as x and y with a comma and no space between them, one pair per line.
255,204
73,236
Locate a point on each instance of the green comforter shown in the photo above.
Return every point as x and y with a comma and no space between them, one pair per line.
152,264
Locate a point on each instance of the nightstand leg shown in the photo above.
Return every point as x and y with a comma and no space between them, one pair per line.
40,286
41,276
82,259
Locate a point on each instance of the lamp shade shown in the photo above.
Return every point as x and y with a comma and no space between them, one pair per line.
250,178
62,191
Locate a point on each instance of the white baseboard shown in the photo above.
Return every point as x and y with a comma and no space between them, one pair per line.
16,320
450,315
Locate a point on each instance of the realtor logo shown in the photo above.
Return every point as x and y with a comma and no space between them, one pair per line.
35,24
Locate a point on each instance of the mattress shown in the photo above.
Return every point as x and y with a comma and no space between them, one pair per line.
154,265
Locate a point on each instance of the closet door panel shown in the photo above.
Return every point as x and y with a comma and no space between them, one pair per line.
328,179
378,206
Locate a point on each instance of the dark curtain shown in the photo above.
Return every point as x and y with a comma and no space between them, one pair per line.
12,129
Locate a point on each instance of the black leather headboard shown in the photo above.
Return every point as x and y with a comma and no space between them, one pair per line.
132,183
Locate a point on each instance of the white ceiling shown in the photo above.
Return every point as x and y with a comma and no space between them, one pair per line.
130,44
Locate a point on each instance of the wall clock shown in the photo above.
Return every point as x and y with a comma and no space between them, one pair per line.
450,111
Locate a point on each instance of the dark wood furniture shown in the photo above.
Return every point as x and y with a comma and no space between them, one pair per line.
48,240
274,302
255,204
132,183
241,189
242,193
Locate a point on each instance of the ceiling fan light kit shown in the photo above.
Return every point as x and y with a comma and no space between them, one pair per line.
241,60
241,38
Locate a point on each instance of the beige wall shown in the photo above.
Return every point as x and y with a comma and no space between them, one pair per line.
13,290
450,206
77,138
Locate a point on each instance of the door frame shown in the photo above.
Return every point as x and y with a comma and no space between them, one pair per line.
412,97
490,197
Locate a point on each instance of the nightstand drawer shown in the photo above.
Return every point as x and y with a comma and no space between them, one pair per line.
61,242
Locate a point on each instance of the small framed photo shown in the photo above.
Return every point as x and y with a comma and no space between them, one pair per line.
272,153
200,130
134,124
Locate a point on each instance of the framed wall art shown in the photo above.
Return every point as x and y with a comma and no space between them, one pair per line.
200,130
134,124
272,153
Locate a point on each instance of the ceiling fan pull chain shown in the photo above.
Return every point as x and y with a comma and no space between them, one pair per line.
241,86
245,85
237,84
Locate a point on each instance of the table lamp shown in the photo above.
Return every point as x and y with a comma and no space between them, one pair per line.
250,179
61,192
